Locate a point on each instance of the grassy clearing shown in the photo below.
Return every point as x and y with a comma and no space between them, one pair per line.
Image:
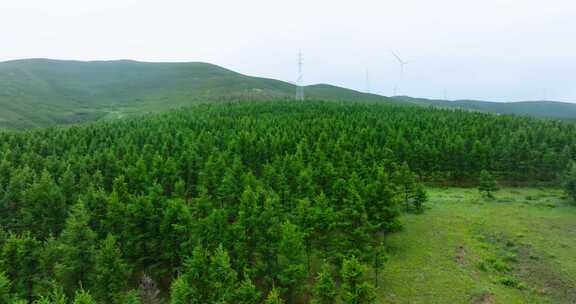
517,248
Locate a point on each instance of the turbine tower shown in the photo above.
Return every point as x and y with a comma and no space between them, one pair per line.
299,82
402,65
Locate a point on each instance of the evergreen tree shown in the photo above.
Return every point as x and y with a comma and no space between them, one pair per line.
246,227
5,290
45,208
273,297
83,297
19,261
420,197
111,273
131,297
406,180
47,260
570,182
68,186
196,273
355,231
55,296
13,198
175,234
180,291
323,224
382,203
77,241
380,257
325,290
291,259
222,278
487,184
247,293
355,290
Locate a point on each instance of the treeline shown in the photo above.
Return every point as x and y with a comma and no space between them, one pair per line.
258,202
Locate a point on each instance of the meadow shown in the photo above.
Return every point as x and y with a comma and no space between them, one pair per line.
516,248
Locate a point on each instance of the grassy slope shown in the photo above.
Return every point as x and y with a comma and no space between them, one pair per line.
464,249
41,92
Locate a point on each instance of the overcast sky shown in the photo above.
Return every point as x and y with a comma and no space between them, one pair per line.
502,50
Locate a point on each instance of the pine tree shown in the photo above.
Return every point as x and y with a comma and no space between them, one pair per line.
111,272
355,290
247,293
325,290
77,242
323,229
5,290
382,203
45,208
55,295
222,278
131,297
246,229
380,257
83,297
175,234
355,231
304,218
19,260
68,186
47,260
420,197
570,182
180,291
406,180
487,184
196,271
291,259
14,198
273,297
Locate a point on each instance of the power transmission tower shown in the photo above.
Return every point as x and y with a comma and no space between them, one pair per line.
299,83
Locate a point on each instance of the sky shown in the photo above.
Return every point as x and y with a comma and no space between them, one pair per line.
499,50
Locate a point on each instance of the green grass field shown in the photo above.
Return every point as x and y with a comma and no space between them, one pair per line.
518,248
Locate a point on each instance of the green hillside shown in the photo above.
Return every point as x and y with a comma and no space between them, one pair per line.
42,92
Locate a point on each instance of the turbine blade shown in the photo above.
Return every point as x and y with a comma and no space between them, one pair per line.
397,57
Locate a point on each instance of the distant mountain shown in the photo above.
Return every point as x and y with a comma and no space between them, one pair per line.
44,92
549,109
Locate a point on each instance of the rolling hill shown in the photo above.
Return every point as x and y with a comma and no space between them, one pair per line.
44,92
552,109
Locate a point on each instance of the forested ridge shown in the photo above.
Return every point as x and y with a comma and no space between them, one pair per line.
263,202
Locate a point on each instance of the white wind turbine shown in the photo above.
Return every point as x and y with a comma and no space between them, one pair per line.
401,78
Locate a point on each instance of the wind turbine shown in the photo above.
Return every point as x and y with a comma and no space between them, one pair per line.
402,65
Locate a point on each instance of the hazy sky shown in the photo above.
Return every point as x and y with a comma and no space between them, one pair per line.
502,50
